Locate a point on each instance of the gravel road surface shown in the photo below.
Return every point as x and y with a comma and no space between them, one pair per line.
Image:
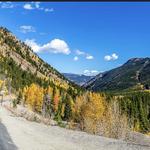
19,134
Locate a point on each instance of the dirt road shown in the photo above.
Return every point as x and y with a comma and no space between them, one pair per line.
19,134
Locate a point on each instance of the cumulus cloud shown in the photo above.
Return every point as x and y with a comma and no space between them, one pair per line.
107,58
49,9
78,52
26,29
7,5
54,46
36,6
86,55
90,72
114,56
57,46
35,47
75,58
28,6
89,57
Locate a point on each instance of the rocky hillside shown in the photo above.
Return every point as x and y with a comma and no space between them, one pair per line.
78,79
24,60
134,74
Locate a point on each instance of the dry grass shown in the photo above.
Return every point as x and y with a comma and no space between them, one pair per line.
29,115
112,124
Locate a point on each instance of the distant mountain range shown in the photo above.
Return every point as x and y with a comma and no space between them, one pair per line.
134,74
78,79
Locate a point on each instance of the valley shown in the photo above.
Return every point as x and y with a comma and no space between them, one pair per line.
74,76
78,79
104,108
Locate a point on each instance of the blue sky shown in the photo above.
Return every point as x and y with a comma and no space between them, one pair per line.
81,37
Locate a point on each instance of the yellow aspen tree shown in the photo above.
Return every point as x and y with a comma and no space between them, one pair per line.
1,83
79,102
50,90
34,97
92,111
62,110
56,99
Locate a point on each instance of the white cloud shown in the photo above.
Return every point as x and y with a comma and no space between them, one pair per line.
89,57
49,9
114,56
28,6
94,71
7,5
86,55
36,6
107,57
54,46
75,58
26,29
90,72
86,71
57,46
35,47
78,52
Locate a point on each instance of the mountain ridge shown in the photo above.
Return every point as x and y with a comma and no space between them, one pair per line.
135,72
16,51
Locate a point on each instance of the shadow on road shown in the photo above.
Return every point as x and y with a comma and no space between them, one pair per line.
6,142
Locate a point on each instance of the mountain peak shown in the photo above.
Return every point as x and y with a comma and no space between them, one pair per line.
135,72
136,60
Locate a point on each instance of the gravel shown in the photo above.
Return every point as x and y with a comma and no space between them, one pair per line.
16,133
